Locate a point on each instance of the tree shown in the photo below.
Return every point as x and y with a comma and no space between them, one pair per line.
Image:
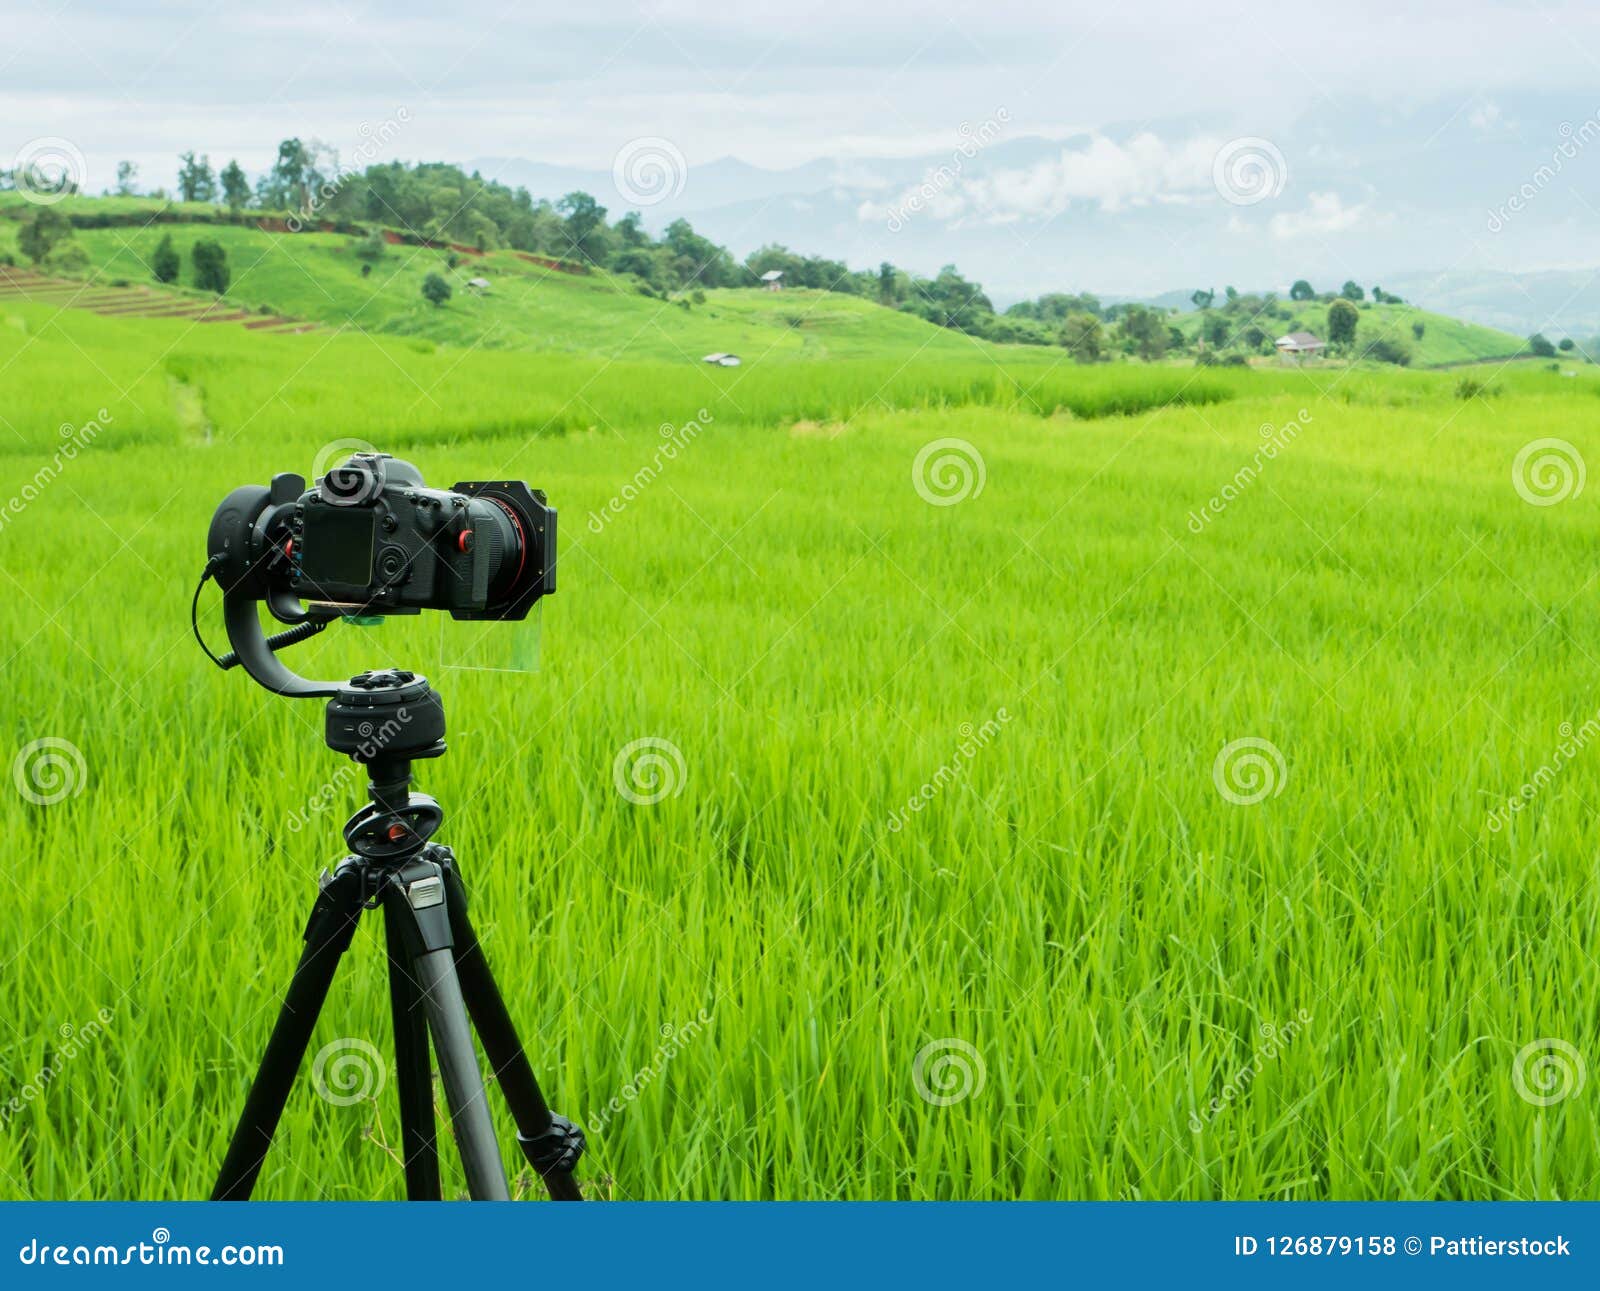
1083,338
630,231
196,180
371,248
69,256
164,264
1389,349
700,262
951,301
235,187
435,290
1418,328
888,286
1214,330
127,176
210,266
1342,319
1352,291
1539,345
1302,290
40,235
284,186
1144,332
1203,299
585,226
1567,344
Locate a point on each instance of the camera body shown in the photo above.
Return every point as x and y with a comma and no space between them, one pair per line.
372,538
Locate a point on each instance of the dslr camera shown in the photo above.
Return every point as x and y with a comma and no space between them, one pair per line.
371,538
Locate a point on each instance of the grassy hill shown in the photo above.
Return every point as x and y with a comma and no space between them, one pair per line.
565,310
528,306
1444,340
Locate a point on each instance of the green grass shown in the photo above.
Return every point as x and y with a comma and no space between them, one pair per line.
264,388
1078,902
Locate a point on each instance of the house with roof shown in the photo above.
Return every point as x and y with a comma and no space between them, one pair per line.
1299,345
772,280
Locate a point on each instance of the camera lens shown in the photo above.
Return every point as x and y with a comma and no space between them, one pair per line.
498,531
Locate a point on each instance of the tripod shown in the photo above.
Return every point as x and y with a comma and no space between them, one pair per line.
438,974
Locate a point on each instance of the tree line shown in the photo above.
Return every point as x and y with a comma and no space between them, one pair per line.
441,202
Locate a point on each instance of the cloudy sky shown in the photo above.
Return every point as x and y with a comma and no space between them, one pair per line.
774,84
1137,99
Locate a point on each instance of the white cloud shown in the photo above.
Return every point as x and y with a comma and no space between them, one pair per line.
1111,175
1325,213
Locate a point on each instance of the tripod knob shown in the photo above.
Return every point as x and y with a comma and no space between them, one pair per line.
392,834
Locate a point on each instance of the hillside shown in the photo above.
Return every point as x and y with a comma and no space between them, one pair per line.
1444,339
528,305
540,304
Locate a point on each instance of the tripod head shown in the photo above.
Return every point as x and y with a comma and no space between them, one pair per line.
384,720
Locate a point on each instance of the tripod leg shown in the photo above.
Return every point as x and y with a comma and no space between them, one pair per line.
327,936
415,900
551,1143
419,1147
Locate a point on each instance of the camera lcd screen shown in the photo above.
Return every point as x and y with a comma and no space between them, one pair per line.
338,546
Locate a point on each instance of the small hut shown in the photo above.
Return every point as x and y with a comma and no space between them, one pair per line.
1299,345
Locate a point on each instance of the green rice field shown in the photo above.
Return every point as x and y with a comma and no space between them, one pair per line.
946,775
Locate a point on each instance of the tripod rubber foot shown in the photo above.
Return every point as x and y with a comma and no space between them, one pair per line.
557,1150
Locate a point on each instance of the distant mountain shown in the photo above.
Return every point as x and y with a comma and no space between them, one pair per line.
1362,190
1558,302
